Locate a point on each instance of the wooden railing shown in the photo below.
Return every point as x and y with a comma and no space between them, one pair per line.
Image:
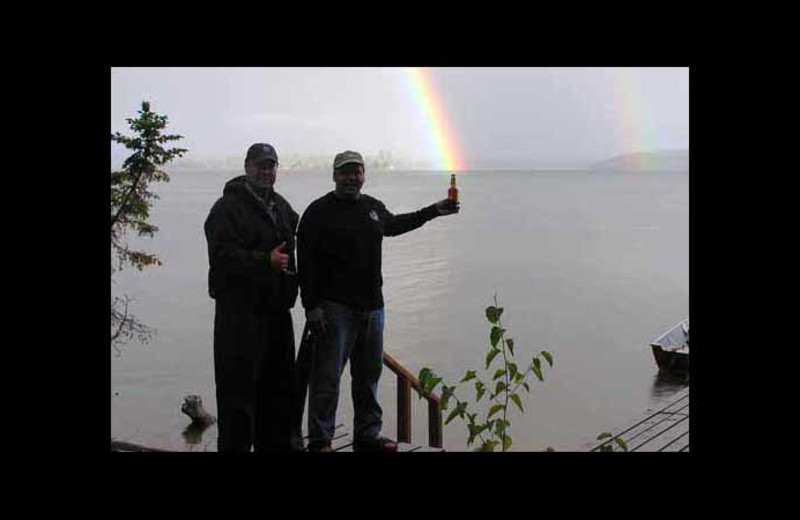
406,381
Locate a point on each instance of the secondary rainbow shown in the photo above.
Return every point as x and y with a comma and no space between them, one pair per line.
444,147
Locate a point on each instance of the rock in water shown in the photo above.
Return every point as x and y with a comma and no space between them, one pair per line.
193,407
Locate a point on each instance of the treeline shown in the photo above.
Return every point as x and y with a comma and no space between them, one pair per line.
382,160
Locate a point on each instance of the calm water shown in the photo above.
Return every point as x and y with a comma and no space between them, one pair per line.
588,266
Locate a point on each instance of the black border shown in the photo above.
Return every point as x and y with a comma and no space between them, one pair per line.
464,50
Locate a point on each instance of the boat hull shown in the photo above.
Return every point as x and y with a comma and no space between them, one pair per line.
670,360
671,349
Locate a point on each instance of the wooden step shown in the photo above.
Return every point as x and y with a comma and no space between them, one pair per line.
666,429
343,442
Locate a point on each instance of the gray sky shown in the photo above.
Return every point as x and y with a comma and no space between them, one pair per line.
500,116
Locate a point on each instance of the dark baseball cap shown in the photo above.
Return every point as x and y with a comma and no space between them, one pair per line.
347,157
261,152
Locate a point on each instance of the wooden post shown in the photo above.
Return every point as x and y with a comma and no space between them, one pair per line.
405,382
403,409
434,424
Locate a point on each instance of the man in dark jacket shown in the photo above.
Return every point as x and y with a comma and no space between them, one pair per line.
339,264
250,233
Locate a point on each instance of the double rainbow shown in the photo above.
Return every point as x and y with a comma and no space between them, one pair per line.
444,147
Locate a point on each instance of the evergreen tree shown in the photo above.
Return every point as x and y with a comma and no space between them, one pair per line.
131,201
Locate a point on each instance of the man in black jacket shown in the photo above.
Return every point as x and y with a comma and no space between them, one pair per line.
250,233
339,264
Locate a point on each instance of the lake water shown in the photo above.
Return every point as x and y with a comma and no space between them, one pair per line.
589,266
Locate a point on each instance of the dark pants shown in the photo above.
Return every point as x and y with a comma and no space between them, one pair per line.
254,374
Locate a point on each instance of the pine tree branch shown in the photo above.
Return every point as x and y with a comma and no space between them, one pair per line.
126,198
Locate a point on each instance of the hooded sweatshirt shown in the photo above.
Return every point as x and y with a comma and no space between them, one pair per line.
241,230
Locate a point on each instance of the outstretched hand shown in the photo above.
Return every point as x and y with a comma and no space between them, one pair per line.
445,207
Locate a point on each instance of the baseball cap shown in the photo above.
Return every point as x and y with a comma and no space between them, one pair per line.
347,157
261,152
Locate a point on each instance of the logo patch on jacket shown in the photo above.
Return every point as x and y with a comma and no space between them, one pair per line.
373,215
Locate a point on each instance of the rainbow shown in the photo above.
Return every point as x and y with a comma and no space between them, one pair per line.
443,141
631,114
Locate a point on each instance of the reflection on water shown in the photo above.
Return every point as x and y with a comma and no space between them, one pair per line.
667,383
193,435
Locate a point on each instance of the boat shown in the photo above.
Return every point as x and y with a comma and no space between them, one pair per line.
671,349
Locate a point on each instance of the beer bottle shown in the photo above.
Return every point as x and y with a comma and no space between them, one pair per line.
452,193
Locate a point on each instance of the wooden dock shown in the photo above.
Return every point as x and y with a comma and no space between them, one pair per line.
342,441
666,429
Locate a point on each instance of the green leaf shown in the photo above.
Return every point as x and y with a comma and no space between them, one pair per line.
512,370
510,345
506,443
495,335
499,388
424,377
490,356
494,409
517,401
468,376
499,373
488,446
452,415
493,314
604,435
548,357
537,368
481,389
424,374
622,444
473,432
458,411
447,393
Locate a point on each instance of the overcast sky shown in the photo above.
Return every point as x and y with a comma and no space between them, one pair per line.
546,116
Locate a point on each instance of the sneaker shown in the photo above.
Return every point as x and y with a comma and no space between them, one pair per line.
297,444
320,447
375,444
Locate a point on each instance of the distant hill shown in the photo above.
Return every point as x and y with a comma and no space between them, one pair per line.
656,161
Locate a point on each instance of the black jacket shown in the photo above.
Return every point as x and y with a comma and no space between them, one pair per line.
339,245
241,233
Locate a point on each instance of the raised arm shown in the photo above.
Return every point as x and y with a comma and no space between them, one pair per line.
405,222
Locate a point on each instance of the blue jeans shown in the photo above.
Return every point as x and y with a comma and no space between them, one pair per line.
357,336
